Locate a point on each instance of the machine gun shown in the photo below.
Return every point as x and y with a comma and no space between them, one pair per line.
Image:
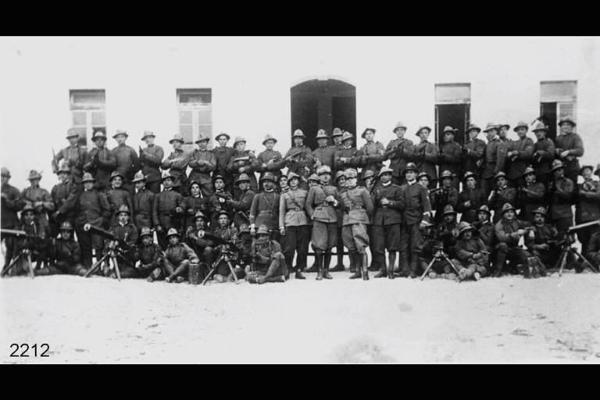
228,252
121,248
439,255
567,248
20,234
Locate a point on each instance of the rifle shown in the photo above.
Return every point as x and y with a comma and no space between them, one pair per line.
54,162
581,226
18,234
291,157
435,190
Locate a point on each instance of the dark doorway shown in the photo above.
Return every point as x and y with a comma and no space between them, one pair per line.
323,104
548,117
454,115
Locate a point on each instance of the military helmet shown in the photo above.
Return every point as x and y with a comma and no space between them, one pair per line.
114,174
350,173
218,176
237,140
464,227
449,129
473,127
469,174
500,174
321,134
28,207
507,207
269,137
423,127
567,120
507,126
268,176
540,210
222,212
148,134
448,209
262,230
528,170
243,177
119,132
167,175
66,226
298,133
145,231
446,174
222,134
366,130
314,178
324,169
369,173
423,174
385,170
347,136
98,135
172,232
339,174
123,209
177,138
539,126
557,164
590,167
292,175
411,167
521,124
336,132
490,126
5,172
33,174
202,138
484,208
399,125
199,214
72,132
138,177
87,177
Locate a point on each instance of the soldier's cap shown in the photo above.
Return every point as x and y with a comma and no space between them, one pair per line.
28,207
222,134
177,138
596,172
292,175
591,168
324,169
366,130
473,127
199,214
421,128
138,177
267,176
507,126
167,175
347,136
262,230
448,209
202,138
145,231
368,173
446,174
339,174
222,212
5,172
490,127
567,120
423,174
148,134
314,178
529,170
336,132
66,226
411,167
244,228
500,174
321,134
98,135
114,174
269,137
218,176
350,173
385,170
540,210
120,132
507,207
33,174
237,140
172,232
194,182
557,164
72,132
399,125
449,129
123,209
469,174
298,133
485,209
242,178
464,227
87,177
521,124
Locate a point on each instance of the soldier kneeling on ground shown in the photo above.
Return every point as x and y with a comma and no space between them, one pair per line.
148,257
178,258
125,232
65,253
472,254
268,260
203,247
509,232
542,241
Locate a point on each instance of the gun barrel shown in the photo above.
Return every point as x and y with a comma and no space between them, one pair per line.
584,225
13,232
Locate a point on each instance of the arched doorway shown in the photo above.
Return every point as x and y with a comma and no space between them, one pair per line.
323,104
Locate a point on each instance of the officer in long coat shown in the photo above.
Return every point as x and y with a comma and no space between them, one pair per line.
474,152
167,212
494,160
450,157
223,154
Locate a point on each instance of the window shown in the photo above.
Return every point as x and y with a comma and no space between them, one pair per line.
558,99
195,113
452,108
87,112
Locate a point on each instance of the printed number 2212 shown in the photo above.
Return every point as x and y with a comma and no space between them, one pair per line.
24,348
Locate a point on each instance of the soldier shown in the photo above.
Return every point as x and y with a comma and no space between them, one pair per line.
400,151
63,195
245,240
324,154
472,254
123,229
178,258
167,210
150,162
313,180
450,157
447,194
177,163
270,160
225,231
33,246
321,206
500,195
243,162
387,222
269,262
593,250
531,195
240,204
588,206
11,204
485,228
569,147
336,137
447,230
357,206
423,179
293,225
265,207
509,231
74,156
543,153
348,155
39,198
202,162
340,182
470,199
65,252
203,247
148,257
100,161
372,153
416,206
542,240
218,200
426,155
91,208
519,154
223,154
117,195
195,202
495,155
143,202
283,185
474,152
299,158
562,195
128,161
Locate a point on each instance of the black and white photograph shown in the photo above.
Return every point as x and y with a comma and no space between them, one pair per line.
300,199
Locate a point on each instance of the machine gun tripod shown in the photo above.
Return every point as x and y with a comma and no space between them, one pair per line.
110,256
567,248
226,256
14,261
439,255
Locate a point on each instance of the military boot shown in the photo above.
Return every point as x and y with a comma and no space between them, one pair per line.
314,267
353,261
319,264
363,267
326,261
298,274
383,271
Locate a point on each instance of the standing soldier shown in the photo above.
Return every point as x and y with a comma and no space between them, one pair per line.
451,155
128,161
240,204
299,158
474,152
177,163
494,158
400,151
63,194
426,155
501,195
340,182
293,225
324,154
74,156
202,163
569,147
416,206
39,198
242,162
562,194
519,155
268,260
543,153
588,206
11,204
387,222
470,199
167,210
265,207
270,160
357,206
90,208
223,155
336,137
218,200
531,195
143,202
100,161
150,161
117,195
195,202
372,153
446,194
509,231
178,257
321,204
347,156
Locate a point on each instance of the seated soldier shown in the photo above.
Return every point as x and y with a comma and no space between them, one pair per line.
226,254
202,246
178,258
33,247
542,240
509,231
593,250
148,257
65,252
485,228
431,247
245,246
445,195
269,262
124,230
448,230
472,254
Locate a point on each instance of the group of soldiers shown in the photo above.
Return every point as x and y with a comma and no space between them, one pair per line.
237,214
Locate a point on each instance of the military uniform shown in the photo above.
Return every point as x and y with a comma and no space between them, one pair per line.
447,233
128,233
346,157
34,195
269,262
75,157
202,162
543,244
265,211
495,154
243,162
474,153
543,155
301,163
217,202
371,155
148,260
468,203
100,163
472,257
37,245
387,222
530,197
426,157
177,163
325,155
570,142
240,206
64,195
508,242
593,250
223,155
128,163
442,198
193,204
118,197
150,160
450,159
65,256
270,160
143,204
293,217
587,209
500,197
562,195
178,259
400,152
165,215
517,163
203,247
416,203
11,205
